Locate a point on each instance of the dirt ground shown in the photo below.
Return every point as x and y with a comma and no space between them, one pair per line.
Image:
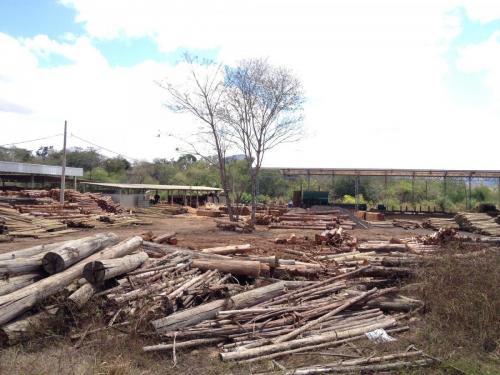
198,232
112,354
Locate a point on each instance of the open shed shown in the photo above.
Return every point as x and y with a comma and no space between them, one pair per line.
139,195
35,176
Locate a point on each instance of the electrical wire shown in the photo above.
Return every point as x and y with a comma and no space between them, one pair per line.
31,140
101,147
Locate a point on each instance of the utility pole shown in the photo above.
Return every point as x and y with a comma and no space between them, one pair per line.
63,169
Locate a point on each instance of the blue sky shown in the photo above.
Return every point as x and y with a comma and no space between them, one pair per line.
380,69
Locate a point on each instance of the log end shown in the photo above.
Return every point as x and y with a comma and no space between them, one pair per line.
52,263
94,272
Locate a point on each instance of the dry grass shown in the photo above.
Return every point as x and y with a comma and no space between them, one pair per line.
462,320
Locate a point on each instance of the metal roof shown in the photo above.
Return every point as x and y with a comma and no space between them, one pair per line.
152,186
38,169
388,172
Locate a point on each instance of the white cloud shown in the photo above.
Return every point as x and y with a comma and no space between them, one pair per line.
373,71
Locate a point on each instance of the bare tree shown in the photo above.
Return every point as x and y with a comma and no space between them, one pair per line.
263,109
202,95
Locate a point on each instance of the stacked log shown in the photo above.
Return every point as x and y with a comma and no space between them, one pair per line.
237,226
406,224
437,223
478,223
336,237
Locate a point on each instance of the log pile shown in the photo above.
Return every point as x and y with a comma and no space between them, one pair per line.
336,237
437,223
478,223
38,213
316,220
246,304
406,224
15,224
159,211
236,226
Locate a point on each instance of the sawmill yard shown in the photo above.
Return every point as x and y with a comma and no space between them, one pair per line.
301,299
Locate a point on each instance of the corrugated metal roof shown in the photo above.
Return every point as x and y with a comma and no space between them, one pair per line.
387,172
38,169
153,187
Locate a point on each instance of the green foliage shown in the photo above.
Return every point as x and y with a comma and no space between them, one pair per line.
262,198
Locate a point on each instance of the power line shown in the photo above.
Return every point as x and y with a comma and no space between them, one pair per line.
31,140
101,147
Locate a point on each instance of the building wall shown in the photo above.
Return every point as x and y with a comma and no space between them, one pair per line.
130,200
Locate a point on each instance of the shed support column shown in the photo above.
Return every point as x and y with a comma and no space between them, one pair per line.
413,192
197,200
185,198
32,181
469,194
356,189
444,193
74,183
385,193
172,198
308,181
333,189
498,192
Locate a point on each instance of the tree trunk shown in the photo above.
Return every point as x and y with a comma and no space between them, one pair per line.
12,284
18,330
98,271
236,267
331,336
62,257
31,251
81,296
231,249
195,315
14,304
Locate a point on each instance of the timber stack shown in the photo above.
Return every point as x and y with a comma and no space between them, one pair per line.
478,223
35,213
315,220
437,223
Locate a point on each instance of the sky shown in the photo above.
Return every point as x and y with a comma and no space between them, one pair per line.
389,84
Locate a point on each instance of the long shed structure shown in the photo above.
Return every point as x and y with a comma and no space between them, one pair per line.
468,174
35,174
134,195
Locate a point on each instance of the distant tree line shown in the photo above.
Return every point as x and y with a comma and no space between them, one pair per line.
271,187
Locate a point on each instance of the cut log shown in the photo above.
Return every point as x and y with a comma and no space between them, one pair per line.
20,266
14,304
331,336
236,267
98,271
62,257
382,247
162,238
81,296
184,345
195,315
20,329
231,249
31,251
12,284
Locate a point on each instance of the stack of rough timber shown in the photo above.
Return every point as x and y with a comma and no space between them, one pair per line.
437,223
80,210
478,223
160,210
406,224
316,220
15,224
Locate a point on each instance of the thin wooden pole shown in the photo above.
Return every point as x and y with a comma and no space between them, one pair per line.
63,169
